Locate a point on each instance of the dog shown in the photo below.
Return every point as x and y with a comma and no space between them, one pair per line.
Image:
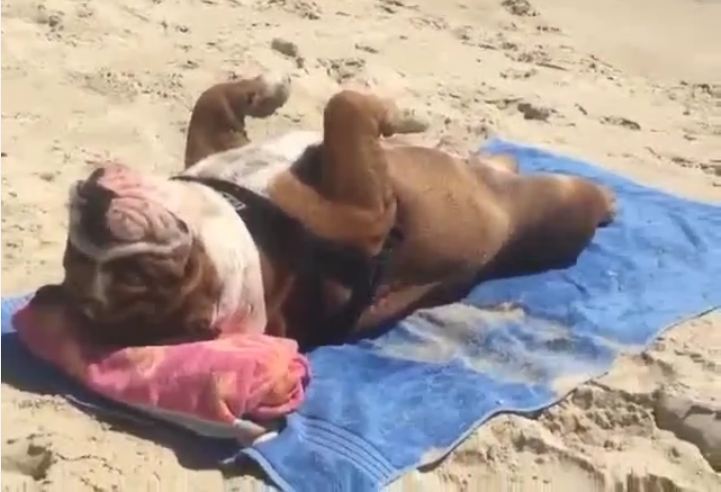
309,235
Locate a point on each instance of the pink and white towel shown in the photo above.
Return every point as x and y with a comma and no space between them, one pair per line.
234,386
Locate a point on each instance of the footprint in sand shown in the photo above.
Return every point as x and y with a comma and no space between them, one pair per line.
393,6
344,69
516,74
695,422
118,86
54,20
27,458
521,8
288,49
533,112
621,121
302,8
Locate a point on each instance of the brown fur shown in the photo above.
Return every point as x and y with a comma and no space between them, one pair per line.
462,219
171,297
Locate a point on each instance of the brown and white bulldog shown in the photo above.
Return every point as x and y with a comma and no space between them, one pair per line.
331,232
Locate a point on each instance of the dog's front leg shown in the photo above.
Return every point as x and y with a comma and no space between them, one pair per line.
217,122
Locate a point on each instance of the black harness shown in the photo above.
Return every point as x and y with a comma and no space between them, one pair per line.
317,258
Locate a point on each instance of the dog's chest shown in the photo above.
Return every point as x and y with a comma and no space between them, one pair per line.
256,165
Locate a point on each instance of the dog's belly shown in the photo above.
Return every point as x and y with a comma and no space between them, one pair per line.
256,165
453,226
451,219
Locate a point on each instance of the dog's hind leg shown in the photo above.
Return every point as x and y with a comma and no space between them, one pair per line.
353,163
217,122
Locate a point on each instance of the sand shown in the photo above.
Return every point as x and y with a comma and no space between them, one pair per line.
635,86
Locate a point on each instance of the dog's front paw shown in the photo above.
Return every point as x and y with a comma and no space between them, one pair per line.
270,92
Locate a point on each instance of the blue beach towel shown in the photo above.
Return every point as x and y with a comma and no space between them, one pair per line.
383,406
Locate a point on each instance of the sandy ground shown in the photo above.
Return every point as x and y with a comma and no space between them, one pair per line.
635,85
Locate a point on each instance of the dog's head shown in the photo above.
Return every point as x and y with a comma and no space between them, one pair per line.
137,266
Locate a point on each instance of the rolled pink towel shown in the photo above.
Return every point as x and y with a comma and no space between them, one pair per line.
241,382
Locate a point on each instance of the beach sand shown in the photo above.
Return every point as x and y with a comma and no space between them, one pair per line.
633,85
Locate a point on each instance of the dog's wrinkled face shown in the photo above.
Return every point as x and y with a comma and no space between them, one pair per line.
132,267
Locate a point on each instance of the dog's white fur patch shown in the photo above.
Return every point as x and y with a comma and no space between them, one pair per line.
231,249
256,165
213,221
225,237
226,240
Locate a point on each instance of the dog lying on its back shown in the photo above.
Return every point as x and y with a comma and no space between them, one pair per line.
331,232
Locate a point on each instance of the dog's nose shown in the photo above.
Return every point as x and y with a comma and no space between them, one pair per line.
90,307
